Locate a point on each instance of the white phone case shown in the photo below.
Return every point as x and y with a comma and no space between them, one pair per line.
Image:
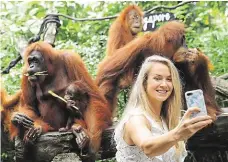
195,98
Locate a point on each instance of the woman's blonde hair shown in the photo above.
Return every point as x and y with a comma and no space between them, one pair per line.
171,109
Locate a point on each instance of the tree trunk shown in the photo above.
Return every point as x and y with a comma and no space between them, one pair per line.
220,85
208,145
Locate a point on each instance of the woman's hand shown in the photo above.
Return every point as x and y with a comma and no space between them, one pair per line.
189,126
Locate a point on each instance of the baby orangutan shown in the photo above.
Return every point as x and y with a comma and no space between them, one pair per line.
77,99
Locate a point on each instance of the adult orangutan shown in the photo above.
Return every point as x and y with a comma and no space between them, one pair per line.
47,69
124,29
119,70
194,69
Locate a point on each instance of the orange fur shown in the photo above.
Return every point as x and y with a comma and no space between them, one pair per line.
194,67
64,67
8,105
120,32
119,35
126,61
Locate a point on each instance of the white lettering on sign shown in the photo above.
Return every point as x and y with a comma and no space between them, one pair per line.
152,19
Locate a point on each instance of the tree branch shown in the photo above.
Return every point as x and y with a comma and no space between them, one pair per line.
166,7
220,85
112,17
224,76
85,19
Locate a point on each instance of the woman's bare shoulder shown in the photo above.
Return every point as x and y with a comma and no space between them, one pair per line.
136,121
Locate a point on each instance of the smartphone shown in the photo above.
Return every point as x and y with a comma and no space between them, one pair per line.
195,98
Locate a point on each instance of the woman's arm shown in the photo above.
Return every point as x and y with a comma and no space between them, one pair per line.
137,132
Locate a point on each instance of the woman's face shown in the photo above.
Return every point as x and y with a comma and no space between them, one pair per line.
159,83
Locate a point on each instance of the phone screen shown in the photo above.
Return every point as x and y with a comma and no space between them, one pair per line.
195,98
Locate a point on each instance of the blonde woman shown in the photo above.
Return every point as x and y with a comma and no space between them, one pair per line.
150,130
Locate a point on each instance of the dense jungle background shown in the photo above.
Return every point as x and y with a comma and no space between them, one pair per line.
206,24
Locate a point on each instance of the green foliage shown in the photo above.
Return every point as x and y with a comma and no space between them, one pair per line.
4,156
207,30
